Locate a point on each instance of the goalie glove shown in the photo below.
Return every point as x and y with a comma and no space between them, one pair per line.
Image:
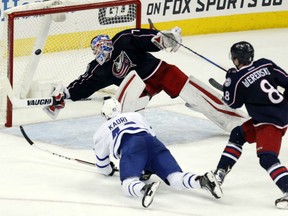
58,97
168,39
58,102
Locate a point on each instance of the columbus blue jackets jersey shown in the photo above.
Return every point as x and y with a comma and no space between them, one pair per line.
256,87
131,52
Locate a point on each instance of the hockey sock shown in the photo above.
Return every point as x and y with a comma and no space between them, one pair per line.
229,157
276,170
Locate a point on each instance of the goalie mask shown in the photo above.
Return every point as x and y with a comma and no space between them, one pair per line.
111,108
102,48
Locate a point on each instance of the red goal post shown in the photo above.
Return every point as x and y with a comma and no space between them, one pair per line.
48,42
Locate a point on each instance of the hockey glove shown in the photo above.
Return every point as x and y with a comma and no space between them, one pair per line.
114,169
58,102
168,39
59,93
145,175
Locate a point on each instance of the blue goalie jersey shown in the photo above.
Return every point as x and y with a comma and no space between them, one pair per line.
256,86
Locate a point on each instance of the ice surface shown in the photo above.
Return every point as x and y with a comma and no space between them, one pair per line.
35,182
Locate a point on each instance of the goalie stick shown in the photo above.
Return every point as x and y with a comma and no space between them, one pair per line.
53,153
32,102
28,102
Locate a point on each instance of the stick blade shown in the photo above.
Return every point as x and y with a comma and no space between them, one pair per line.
215,84
25,135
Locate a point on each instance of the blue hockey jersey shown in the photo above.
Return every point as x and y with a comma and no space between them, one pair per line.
132,49
256,86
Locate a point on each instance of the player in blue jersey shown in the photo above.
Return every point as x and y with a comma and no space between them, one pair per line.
254,84
129,138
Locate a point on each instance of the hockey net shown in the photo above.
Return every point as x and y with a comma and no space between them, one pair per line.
47,43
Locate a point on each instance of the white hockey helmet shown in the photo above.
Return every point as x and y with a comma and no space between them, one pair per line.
111,108
102,48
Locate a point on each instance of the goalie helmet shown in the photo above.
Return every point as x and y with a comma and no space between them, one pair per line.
102,47
243,52
111,108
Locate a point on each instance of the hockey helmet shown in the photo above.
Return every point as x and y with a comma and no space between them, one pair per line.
102,47
243,52
111,108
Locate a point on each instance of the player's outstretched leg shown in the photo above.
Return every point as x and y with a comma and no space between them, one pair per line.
282,202
149,191
209,183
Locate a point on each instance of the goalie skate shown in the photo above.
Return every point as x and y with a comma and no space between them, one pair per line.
282,203
149,193
209,183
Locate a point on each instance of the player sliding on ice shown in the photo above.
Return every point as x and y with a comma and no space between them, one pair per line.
254,84
129,138
129,50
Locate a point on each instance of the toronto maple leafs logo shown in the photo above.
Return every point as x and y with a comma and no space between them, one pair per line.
122,65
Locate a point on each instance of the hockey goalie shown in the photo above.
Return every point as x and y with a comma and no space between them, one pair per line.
126,61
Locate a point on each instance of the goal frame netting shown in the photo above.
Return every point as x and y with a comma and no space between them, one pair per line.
14,14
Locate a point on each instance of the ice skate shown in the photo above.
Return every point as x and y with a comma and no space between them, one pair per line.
220,175
209,183
149,191
282,203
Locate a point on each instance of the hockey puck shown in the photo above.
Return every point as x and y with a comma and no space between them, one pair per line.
38,52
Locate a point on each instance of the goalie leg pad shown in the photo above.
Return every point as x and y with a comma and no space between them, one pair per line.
202,98
128,93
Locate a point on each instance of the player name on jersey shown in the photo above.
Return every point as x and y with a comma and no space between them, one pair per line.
255,76
117,122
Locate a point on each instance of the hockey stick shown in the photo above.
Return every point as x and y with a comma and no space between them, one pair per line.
215,84
31,102
53,153
27,102
182,45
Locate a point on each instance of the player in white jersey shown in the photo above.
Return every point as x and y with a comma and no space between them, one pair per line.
128,137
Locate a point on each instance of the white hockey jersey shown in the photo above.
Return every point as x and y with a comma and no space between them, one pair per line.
107,138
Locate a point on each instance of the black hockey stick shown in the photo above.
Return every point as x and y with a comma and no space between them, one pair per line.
182,45
53,153
216,84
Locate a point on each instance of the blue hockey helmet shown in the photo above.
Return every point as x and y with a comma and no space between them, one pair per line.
102,47
243,52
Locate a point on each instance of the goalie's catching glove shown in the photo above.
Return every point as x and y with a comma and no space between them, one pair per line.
58,102
168,39
58,96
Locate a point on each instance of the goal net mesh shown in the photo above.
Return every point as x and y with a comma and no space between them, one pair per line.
47,43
